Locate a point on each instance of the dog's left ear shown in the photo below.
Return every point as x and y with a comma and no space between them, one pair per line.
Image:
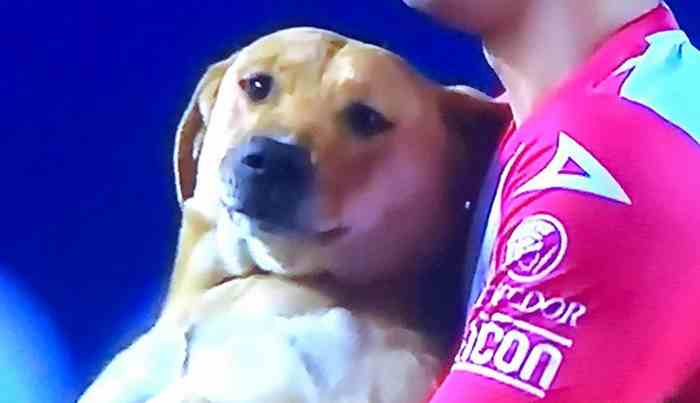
193,126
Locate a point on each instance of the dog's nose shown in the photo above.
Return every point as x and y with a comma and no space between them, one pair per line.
268,179
269,159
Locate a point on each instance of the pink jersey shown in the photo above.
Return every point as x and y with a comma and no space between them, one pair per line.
593,288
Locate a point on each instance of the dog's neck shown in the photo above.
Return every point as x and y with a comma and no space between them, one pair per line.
391,299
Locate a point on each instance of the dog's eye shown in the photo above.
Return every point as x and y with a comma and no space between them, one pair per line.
258,86
365,121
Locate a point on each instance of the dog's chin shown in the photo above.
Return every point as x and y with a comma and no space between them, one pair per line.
283,250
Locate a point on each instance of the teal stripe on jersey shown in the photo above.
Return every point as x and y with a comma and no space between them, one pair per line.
666,79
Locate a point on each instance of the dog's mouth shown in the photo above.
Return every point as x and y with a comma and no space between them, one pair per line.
270,226
255,271
322,236
326,237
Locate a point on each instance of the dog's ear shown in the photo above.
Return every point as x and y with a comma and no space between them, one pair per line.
192,128
473,113
478,122
477,119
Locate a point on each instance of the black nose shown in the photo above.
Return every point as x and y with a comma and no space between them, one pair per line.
268,180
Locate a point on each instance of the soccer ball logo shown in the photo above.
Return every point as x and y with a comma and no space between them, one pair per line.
535,248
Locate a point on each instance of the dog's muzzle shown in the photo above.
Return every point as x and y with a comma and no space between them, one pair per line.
267,180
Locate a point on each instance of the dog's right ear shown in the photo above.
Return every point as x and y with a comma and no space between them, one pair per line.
478,121
473,113
193,126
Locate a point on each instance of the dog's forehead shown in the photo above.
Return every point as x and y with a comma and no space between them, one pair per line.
317,70
313,50
292,47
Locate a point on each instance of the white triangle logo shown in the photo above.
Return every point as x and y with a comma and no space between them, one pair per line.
593,178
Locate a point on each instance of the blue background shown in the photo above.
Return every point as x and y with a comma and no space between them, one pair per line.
91,96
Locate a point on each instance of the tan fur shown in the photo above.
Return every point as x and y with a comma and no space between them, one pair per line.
390,204
318,72
187,281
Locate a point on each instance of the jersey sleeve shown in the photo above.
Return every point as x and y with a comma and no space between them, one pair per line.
592,294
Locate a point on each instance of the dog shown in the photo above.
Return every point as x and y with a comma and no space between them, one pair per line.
323,185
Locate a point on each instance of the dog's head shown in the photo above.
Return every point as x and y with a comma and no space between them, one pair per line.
311,152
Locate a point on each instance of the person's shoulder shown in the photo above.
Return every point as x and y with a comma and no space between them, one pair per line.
657,90
665,80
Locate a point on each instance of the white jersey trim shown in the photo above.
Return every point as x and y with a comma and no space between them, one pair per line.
500,377
595,178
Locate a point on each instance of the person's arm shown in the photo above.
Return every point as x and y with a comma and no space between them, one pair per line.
594,296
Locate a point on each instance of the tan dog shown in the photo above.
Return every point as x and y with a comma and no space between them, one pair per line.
319,178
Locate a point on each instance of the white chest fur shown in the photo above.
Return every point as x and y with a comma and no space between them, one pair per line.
329,356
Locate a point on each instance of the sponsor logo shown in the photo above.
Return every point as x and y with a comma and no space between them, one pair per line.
512,352
558,310
535,248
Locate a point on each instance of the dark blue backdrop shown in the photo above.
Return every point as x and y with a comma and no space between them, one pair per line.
92,92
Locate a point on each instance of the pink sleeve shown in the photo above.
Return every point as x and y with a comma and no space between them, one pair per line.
592,295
